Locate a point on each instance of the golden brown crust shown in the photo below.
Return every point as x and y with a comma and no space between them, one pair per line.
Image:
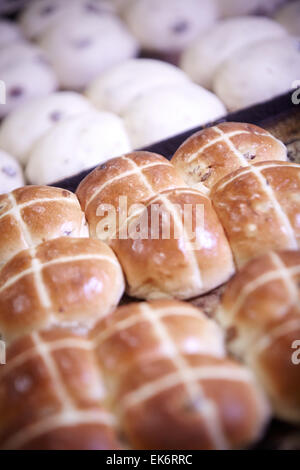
209,155
169,261
155,373
259,208
178,262
66,280
33,214
138,176
173,419
261,304
52,395
169,380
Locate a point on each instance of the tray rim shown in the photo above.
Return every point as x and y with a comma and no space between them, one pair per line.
257,114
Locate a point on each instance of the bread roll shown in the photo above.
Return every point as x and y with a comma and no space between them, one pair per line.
209,155
260,311
137,176
32,120
172,375
83,46
54,375
26,74
169,110
66,281
170,382
289,16
258,72
40,15
76,144
115,89
170,25
32,214
166,235
11,174
204,56
259,208
174,247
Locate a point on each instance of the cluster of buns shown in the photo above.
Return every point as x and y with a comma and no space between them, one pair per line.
237,171
255,193
25,70
51,274
261,313
240,175
90,47
181,265
151,376
254,189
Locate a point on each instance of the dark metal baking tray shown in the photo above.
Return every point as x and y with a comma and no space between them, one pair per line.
282,118
279,116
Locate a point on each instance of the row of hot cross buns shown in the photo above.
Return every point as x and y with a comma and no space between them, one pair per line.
82,374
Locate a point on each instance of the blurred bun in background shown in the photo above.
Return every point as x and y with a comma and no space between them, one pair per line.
26,73
82,46
169,25
169,110
258,72
11,174
24,126
39,15
203,57
116,88
77,143
9,33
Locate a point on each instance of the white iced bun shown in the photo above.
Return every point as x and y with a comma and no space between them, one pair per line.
9,33
169,110
203,57
289,17
82,46
26,73
11,175
168,25
116,88
228,8
258,72
39,15
76,144
30,121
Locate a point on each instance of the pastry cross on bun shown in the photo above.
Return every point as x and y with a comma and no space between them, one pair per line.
181,264
52,395
66,281
171,383
259,208
261,313
183,251
138,176
32,214
209,155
